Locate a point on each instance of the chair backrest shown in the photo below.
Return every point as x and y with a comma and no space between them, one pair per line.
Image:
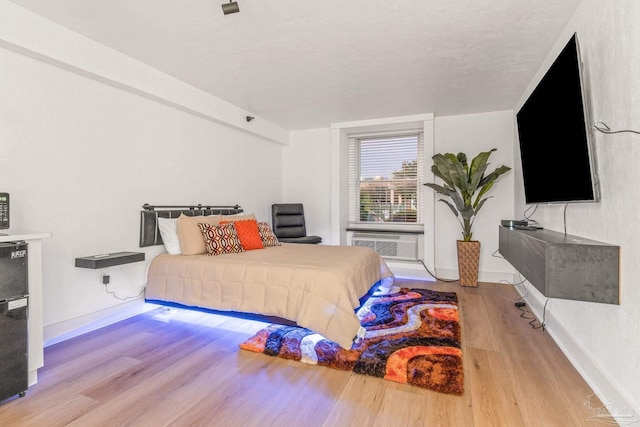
288,220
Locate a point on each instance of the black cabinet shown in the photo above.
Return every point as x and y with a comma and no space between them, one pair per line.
14,377
14,361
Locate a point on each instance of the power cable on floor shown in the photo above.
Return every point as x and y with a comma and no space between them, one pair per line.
434,276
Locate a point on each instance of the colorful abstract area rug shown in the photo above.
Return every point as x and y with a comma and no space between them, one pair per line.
413,337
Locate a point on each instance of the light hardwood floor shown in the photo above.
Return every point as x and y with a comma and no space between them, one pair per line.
184,368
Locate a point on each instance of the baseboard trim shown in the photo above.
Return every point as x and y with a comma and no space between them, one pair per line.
483,276
409,270
77,326
612,398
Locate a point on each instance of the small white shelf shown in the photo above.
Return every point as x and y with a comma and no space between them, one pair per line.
14,236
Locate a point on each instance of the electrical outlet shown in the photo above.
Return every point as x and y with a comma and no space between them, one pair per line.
105,279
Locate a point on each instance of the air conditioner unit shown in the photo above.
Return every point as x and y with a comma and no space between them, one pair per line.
389,245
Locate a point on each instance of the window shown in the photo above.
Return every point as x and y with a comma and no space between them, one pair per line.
385,176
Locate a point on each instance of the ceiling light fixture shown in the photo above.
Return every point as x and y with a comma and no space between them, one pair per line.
231,7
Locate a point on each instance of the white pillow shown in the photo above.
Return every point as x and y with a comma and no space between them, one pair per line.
169,233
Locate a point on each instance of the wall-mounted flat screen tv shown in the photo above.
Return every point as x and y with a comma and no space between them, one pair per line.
555,136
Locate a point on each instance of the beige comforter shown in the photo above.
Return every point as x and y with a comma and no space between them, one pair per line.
317,286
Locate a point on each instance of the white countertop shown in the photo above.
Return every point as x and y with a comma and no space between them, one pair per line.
15,235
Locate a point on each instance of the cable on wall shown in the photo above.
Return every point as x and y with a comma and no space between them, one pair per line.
434,276
527,215
105,282
602,127
520,303
522,281
513,300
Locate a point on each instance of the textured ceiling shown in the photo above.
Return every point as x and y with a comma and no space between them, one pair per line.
308,63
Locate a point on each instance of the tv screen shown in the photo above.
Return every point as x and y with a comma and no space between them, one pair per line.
555,148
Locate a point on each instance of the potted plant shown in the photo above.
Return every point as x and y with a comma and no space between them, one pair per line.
461,183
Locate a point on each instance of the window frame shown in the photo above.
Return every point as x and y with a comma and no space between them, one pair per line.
354,178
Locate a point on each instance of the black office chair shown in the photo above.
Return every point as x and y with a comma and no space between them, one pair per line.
288,224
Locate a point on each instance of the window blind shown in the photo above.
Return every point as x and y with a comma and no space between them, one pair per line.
385,178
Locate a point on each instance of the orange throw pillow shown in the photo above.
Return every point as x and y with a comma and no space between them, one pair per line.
248,233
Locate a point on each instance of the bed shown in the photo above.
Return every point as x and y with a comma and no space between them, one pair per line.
318,287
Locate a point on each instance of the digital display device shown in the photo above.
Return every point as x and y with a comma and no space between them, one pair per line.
4,211
555,135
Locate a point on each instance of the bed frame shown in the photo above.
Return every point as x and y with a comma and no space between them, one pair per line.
149,233
150,236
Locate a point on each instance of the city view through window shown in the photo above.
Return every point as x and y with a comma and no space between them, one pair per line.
388,185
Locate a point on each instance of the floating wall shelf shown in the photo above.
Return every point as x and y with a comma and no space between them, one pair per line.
109,260
564,266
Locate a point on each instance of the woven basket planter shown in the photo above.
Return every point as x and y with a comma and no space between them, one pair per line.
468,262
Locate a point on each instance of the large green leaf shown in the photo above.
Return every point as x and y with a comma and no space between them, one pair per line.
479,205
462,158
461,183
452,157
481,159
476,177
483,190
461,180
440,189
442,168
494,175
457,200
456,172
467,213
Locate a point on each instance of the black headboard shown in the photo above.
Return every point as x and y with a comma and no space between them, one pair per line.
149,234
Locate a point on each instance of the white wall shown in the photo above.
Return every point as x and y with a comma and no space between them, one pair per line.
28,33
306,178
87,136
471,134
80,157
603,341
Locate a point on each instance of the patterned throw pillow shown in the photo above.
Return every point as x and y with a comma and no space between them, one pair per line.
248,233
221,239
267,236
